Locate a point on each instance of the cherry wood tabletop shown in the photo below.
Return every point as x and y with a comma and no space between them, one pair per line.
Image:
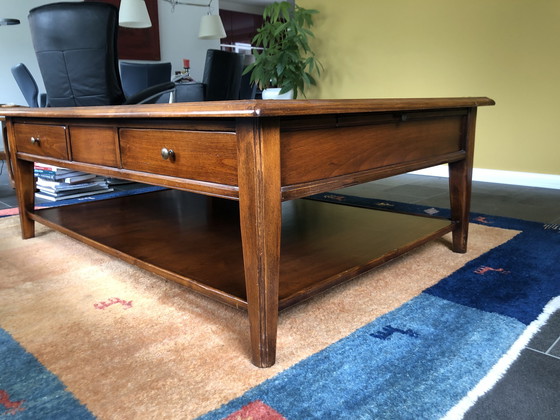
252,108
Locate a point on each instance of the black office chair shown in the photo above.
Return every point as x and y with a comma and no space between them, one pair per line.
222,75
221,79
76,47
247,90
136,77
28,86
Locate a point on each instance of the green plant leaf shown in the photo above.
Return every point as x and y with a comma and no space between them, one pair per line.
287,61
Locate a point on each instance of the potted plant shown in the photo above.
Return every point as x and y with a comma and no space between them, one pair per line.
284,60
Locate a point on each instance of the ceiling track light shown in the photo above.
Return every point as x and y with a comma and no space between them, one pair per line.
211,26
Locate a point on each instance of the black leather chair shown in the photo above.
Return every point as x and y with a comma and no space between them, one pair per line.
247,90
221,79
136,77
28,86
76,47
222,75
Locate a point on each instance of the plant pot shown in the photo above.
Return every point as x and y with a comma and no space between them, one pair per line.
274,93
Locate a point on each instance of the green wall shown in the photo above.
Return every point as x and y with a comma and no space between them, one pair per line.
508,50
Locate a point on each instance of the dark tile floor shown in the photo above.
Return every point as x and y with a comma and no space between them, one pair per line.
531,388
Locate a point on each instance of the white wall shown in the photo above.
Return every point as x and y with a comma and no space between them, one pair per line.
178,40
178,36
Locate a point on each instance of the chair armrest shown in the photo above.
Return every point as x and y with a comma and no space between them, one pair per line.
190,92
150,94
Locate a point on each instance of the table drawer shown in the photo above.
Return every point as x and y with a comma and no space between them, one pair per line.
97,145
204,156
41,140
311,155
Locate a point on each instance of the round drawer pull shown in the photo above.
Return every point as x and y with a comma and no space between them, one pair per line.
35,140
167,154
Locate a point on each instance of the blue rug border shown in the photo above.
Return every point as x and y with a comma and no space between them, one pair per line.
38,392
332,371
423,210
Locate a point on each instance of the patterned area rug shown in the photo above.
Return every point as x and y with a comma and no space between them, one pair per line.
87,336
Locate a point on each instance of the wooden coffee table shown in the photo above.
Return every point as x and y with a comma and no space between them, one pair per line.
233,225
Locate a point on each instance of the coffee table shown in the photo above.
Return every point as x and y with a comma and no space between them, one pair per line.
234,224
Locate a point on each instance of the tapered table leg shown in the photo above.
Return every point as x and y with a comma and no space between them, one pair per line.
460,186
261,219
25,186
6,152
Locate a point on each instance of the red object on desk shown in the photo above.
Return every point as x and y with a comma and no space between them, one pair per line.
186,63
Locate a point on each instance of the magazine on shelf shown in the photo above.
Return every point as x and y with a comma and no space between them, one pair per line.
51,168
59,197
44,184
56,176
56,173
73,179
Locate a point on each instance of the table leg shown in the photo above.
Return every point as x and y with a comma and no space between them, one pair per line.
261,219
6,156
460,186
24,180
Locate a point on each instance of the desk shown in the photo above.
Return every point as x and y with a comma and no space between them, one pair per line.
234,225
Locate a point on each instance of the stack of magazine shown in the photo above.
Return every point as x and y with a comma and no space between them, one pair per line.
55,183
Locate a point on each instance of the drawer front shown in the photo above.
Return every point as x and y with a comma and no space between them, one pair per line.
204,156
96,145
41,140
312,155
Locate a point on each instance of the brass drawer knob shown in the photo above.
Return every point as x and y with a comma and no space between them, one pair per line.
35,140
167,154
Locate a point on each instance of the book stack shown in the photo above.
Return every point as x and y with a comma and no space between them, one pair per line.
55,183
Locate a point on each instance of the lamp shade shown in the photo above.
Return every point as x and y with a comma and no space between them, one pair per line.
211,27
134,14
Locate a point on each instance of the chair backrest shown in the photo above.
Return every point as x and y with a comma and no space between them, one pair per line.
26,83
247,90
139,76
75,44
222,75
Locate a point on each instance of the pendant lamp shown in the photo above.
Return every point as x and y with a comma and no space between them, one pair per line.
134,14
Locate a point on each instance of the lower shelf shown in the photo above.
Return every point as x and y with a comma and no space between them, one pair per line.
196,240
